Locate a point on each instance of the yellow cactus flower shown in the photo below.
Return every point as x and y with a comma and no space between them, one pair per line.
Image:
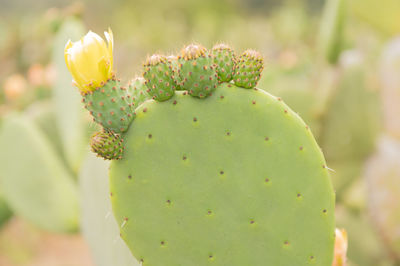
90,60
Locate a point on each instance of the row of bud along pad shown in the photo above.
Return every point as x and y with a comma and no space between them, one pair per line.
196,70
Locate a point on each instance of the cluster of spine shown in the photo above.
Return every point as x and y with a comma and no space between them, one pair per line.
196,70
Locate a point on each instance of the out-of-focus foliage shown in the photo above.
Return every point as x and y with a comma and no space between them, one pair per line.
382,15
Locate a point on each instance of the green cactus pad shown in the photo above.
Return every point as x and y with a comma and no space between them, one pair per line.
197,71
107,145
110,106
138,90
159,78
248,69
224,58
233,179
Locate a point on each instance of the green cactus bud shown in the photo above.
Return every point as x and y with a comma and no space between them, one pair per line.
159,78
224,58
173,61
110,106
248,69
138,90
107,145
197,71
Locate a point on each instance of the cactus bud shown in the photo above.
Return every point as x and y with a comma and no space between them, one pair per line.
107,145
224,58
159,77
138,90
248,69
197,71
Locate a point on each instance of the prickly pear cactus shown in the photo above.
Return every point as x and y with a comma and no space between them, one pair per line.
220,174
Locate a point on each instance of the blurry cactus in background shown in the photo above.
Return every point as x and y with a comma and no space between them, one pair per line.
72,123
382,174
50,133
390,80
384,17
351,122
332,30
98,224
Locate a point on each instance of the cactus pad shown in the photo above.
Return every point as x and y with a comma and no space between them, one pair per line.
110,106
197,71
159,77
107,145
224,58
248,186
248,69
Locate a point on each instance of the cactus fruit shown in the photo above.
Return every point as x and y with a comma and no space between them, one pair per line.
97,222
107,145
197,71
383,184
159,77
36,168
248,69
225,60
110,106
235,178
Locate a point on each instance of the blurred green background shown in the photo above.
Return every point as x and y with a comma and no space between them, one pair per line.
335,62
